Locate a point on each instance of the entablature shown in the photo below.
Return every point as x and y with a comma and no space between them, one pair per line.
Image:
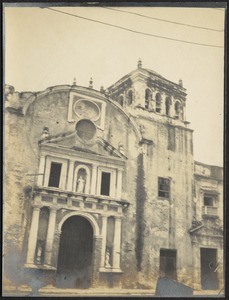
60,199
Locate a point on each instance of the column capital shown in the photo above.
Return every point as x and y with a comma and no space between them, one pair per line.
53,209
37,207
99,237
118,218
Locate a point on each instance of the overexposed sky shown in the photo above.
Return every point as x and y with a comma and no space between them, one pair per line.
45,48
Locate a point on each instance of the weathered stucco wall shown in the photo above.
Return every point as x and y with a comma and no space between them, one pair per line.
155,146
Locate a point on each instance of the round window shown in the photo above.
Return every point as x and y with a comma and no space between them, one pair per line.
85,130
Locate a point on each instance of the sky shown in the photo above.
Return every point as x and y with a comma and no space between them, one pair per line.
45,48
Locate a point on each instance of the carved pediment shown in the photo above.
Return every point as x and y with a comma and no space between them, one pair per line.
207,230
70,141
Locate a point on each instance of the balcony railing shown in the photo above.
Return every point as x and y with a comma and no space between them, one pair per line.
77,201
210,211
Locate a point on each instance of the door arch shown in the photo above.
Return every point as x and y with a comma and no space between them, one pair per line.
74,267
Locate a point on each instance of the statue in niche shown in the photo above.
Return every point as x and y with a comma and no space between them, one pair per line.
39,254
107,260
80,185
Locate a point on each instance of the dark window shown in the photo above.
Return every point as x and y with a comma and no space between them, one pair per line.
177,109
105,184
168,263
129,97
167,106
158,102
163,187
54,177
148,97
208,201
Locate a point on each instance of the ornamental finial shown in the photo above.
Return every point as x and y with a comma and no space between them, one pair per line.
91,83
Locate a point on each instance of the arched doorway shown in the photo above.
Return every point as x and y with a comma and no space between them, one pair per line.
74,269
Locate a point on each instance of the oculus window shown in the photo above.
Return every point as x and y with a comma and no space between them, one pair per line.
85,130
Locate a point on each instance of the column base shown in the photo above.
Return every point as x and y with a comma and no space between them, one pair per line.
43,267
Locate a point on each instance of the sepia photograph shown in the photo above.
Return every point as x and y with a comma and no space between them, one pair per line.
113,163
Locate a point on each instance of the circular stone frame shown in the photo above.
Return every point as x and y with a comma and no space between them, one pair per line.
89,104
86,135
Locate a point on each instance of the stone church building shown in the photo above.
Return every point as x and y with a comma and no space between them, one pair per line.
101,188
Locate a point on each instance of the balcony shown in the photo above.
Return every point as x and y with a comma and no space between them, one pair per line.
210,211
76,201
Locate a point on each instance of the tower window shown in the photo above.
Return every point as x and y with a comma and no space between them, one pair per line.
177,109
167,106
54,177
163,187
158,102
130,97
148,98
105,183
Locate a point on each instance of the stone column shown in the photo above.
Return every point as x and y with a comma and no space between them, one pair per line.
163,97
172,109
33,235
97,246
55,248
93,180
70,176
41,171
119,184
104,238
183,115
196,264
117,243
50,236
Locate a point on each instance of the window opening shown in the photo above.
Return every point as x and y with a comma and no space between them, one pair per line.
148,98
168,263
105,184
158,102
163,187
54,177
167,106
130,97
208,201
177,109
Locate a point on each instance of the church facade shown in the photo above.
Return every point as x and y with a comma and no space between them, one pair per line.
102,189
